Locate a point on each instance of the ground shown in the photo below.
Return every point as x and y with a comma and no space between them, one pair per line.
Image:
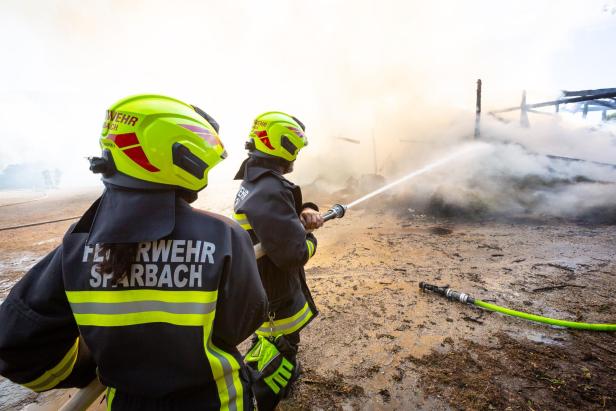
379,343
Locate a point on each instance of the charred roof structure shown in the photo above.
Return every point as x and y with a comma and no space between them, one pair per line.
603,99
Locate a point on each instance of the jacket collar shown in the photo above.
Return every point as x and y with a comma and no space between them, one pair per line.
129,216
251,172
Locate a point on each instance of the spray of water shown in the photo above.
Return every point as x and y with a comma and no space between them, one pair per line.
425,169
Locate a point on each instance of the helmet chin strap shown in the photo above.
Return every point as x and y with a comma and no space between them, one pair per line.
186,195
98,165
103,165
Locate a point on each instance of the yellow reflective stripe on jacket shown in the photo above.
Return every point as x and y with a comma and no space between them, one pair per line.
225,369
242,220
120,296
240,216
310,246
131,307
121,320
286,325
110,396
58,373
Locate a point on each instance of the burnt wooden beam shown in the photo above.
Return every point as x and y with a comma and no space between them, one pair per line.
568,93
611,94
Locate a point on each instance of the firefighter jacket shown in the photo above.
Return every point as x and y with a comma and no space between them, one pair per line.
165,336
268,206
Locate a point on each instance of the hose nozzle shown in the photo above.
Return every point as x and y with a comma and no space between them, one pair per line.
337,211
434,288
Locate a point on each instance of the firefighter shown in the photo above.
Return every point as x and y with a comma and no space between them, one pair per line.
145,292
271,209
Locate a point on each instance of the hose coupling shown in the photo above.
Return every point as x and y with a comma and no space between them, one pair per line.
458,296
447,292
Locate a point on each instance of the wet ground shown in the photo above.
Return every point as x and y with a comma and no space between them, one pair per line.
380,343
400,348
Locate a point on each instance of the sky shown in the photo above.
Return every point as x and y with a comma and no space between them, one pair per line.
392,69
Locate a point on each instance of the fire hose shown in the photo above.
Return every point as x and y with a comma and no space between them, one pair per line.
464,298
87,395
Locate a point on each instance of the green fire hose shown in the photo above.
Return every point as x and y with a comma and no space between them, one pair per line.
467,299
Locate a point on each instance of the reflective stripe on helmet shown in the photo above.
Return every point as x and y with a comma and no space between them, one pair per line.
129,144
123,140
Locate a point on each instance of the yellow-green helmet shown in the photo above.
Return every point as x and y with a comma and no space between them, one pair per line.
158,141
277,134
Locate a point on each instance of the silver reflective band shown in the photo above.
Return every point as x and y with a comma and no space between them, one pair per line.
279,328
454,295
57,375
141,306
228,373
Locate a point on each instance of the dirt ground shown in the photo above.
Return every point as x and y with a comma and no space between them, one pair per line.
380,343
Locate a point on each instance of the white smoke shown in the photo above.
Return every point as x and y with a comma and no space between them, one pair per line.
522,174
401,71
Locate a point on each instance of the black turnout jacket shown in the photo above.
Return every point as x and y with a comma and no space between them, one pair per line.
165,336
268,206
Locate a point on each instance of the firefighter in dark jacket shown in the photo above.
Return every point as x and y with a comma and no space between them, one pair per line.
271,209
146,293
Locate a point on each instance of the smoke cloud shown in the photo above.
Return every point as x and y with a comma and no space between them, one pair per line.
397,77
507,178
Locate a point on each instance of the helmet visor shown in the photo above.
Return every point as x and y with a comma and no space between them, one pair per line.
208,118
